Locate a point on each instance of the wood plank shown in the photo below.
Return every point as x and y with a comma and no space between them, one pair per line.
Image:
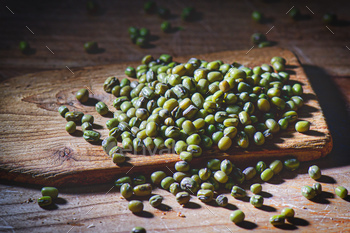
34,143
106,211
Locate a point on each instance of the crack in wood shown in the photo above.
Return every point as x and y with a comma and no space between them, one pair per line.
63,154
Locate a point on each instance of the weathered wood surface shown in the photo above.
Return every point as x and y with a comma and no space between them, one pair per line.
35,144
64,26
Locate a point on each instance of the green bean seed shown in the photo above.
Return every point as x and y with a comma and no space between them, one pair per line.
277,220
135,206
87,118
108,143
217,136
260,166
314,172
283,123
155,200
278,66
318,188
166,182
205,195
238,192
143,189
230,132
74,116
178,176
71,127
196,178
308,192
292,164
186,156
175,188
224,143
242,139
237,175
288,212
302,126
50,191
118,158
249,173
130,72
182,166
237,216
214,183
138,230
290,116
208,186
214,164
259,138
128,144
204,173
297,89
226,166
91,47
256,188
115,150
138,180
194,139
166,58
257,201
221,200
109,83
298,101
341,192
257,16
126,190
182,198
166,26
24,47
221,177
157,177
195,150
266,175
126,179
276,166
101,108
91,136
44,201
189,184
63,110
272,125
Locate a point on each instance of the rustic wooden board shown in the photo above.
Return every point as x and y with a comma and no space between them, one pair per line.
35,148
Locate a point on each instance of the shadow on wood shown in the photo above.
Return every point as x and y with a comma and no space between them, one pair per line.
247,225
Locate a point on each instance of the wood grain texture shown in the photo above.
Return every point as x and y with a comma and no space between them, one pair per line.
100,208
35,147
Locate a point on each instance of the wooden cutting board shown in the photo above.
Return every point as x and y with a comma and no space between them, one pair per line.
35,148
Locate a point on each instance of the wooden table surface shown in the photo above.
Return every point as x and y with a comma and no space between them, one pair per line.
57,31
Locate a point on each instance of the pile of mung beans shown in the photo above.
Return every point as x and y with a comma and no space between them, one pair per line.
191,107
194,106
